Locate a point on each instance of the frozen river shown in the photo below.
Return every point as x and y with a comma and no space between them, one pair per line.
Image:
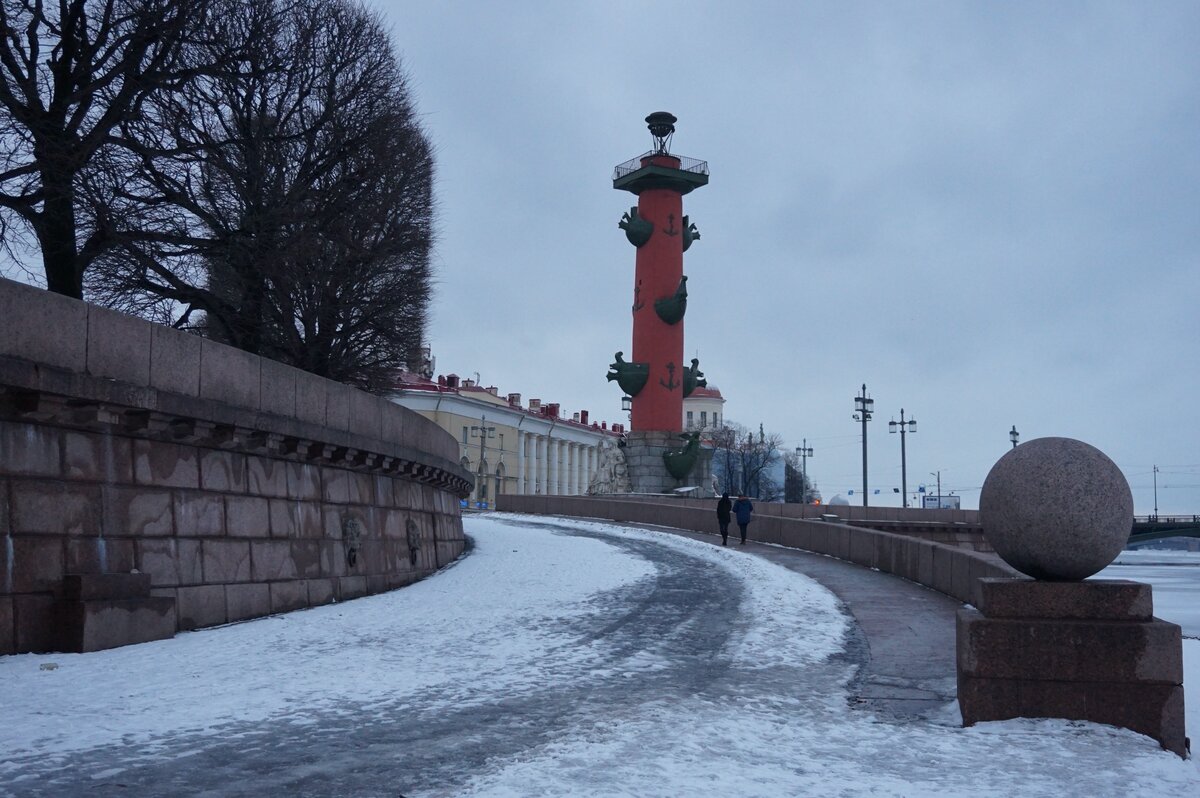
1175,576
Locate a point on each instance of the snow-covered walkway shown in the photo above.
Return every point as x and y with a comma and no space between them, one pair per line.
558,658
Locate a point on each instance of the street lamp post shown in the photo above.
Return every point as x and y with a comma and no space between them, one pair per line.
804,452
938,474
1014,436
1156,493
905,427
864,406
483,432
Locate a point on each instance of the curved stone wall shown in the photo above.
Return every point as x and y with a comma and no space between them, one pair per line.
242,486
949,569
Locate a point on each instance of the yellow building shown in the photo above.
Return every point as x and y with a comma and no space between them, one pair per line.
507,446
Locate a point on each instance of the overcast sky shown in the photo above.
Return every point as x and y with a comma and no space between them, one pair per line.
987,212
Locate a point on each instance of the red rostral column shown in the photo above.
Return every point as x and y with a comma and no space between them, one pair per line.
661,233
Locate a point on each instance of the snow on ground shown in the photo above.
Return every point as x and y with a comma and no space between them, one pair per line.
494,625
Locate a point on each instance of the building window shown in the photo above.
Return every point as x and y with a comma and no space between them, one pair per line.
704,418
501,441
689,419
466,434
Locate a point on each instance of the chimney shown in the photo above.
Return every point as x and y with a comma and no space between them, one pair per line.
442,380
451,380
493,390
468,383
575,417
552,409
535,405
603,425
583,416
514,400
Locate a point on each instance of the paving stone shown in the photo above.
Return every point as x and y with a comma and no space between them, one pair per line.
136,512
201,605
160,464
55,508
225,561
97,457
199,514
248,600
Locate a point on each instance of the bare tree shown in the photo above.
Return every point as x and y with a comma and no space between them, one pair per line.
743,460
284,207
798,486
70,73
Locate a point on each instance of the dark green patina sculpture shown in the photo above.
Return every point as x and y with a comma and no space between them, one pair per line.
630,376
637,229
693,378
680,462
672,308
690,234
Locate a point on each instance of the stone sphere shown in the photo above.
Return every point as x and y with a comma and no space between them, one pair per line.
1056,508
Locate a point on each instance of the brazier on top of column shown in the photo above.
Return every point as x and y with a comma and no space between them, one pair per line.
1055,645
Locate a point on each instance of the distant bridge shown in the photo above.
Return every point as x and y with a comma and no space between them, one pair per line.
1156,527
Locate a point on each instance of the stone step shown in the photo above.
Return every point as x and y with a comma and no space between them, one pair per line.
90,587
98,624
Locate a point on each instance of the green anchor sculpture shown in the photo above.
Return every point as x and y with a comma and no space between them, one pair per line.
672,308
679,462
637,230
693,378
690,234
630,376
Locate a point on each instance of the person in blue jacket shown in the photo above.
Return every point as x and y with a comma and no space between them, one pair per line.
742,510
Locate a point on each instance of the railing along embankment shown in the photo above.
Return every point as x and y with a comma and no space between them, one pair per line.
947,568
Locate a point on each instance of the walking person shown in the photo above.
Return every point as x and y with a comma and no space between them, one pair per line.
723,507
743,509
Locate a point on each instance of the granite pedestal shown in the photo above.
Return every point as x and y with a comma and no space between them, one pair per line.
648,472
100,611
1087,650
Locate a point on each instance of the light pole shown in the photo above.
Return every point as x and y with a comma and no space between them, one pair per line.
864,406
483,432
1014,436
905,427
938,474
1156,493
804,452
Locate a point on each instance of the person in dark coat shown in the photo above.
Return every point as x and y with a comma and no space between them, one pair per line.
723,507
743,509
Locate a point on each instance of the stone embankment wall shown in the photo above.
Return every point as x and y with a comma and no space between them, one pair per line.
242,486
947,568
950,527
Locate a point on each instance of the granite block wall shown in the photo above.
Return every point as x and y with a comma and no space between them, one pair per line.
242,486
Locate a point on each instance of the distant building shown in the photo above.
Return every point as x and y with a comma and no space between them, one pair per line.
947,501
704,409
507,446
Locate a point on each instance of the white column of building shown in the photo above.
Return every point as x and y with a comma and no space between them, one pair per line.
542,463
588,468
569,462
581,469
552,475
531,467
583,461
566,466
520,463
580,455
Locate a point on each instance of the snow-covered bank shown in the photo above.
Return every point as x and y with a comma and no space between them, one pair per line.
502,623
